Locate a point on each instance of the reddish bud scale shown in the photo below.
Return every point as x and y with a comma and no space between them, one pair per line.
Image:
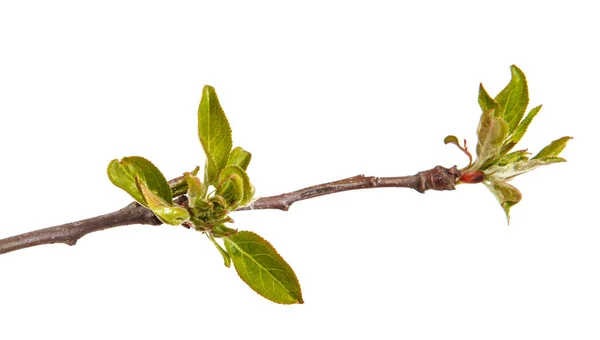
472,177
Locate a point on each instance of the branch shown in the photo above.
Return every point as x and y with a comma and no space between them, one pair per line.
438,178
69,233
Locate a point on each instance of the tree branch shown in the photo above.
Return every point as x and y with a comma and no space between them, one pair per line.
438,178
69,233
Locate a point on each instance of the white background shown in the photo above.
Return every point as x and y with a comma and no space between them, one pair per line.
317,91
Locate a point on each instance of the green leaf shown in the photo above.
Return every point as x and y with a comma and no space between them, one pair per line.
513,169
262,268
491,133
515,156
218,200
167,212
220,230
234,185
513,99
520,130
239,157
214,133
553,149
451,140
123,174
486,102
196,194
178,186
226,257
506,194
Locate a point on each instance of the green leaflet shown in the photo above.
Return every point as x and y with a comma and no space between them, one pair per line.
234,186
450,139
123,174
506,194
487,103
224,254
515,156
491,133
554,148
262,268
169,213
196,194
239,157
520,130
214,133
516,168
218,201
513,99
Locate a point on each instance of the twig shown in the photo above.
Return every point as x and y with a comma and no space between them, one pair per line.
438,178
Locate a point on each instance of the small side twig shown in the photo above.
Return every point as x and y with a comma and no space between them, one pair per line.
438,178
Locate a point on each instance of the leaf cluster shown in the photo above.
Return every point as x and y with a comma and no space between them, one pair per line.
224,187
501,126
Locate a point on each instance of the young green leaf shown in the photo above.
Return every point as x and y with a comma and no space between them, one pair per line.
450,139
167,212
214,133
486,102
491,133
221,230
262,268
554,148
513,169
218,200
224,254
123,174
239,157
506,194
513,99
515,156
234,185
520,130
196,194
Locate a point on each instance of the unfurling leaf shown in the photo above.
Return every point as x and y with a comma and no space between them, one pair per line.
239,157
214,133
224,254
123,174
196,194
486,102
167,212
506,194
234,186
513,99
262,268
513,169
491,133
553,149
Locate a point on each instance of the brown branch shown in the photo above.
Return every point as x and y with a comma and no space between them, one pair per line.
69,233
438,178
